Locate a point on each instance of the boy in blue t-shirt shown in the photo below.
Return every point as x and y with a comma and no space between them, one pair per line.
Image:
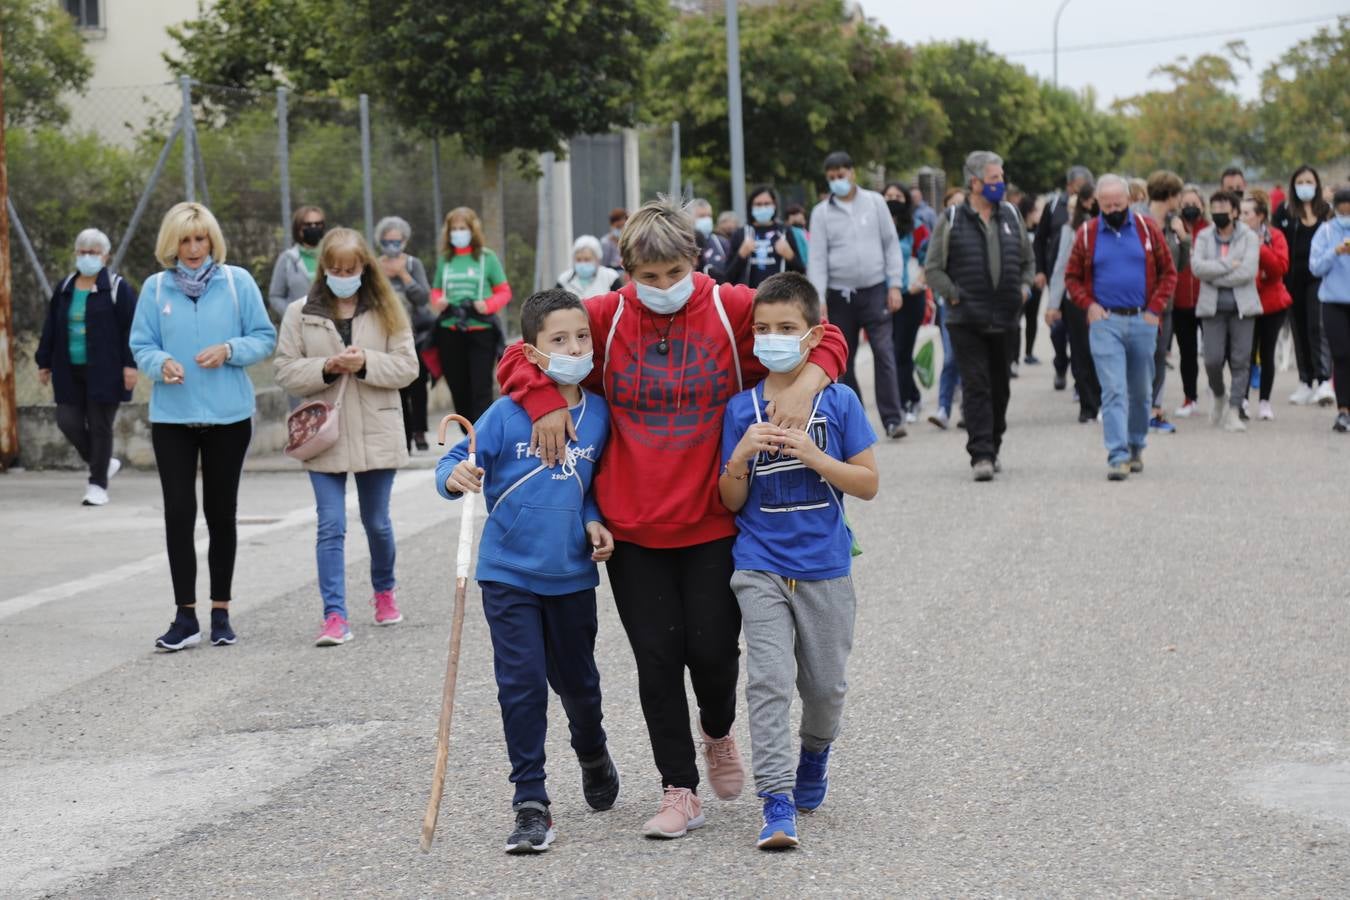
536,567
793,553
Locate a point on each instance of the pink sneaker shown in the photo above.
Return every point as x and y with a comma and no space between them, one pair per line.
726,771
335,631
680,811
386,608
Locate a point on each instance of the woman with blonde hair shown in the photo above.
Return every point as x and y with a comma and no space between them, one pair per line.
350,343
199,324
469,333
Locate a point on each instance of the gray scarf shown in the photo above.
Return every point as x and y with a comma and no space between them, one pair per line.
194,284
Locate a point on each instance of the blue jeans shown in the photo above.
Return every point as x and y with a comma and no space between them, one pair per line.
1122,351
330,500
951,376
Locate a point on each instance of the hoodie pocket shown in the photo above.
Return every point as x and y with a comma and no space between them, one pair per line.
544,540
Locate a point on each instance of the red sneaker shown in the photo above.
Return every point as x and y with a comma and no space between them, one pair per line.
386,608
335,631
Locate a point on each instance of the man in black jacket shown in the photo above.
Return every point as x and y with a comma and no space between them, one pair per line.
980,260
1046,247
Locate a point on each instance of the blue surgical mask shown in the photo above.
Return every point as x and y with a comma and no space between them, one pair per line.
840,186
1343,221
585,270
88,264
391,248
200,270
993,192
566,369
669,301
460,238
779,352
343,286
703,225
1305,192
762,214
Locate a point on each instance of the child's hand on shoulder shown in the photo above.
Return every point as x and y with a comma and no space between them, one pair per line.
761,437
800,445
602,542
464,478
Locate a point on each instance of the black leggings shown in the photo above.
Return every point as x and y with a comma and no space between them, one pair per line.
221,449
1186,327
1030,312
1336,324
1267,333
414,398
469,364
905,326
679,611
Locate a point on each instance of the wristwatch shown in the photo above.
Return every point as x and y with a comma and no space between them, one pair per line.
229,352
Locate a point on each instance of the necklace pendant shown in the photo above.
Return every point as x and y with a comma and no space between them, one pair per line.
662,347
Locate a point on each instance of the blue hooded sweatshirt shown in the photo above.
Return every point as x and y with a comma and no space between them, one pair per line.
535,534
1325,263
170,325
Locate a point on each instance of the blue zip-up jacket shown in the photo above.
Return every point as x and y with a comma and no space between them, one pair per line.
535,535
1325,264
170,325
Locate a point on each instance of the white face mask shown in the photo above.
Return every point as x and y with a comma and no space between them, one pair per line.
460,238
1305,192
567,369
343,286
669,301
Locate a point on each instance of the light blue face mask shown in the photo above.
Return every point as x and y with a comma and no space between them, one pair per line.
200,270
460,238
764,214
343,286
669,301
566,369
779,352
1343,221
88,264
840,186
703,225
1305,192
585,270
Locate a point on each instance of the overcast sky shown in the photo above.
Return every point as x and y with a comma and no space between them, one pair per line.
1011,28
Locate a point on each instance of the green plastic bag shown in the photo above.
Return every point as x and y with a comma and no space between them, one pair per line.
923,363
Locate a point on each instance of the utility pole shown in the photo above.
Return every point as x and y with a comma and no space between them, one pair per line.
1059,12
734,109
9,402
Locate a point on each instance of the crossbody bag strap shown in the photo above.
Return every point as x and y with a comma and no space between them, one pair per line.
726,323
609,338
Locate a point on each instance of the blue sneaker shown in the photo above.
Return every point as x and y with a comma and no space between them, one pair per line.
813,779
780,823
1158,423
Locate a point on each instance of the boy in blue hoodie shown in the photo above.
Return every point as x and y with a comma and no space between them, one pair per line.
536,566
793,555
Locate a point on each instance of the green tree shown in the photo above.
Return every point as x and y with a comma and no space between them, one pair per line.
1305,102
813,81
1198,126
1064,129
44,58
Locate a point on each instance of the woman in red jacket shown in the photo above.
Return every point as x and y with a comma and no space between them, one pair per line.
1275,298
1184,323
671,347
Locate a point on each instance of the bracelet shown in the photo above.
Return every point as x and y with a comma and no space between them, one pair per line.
726,473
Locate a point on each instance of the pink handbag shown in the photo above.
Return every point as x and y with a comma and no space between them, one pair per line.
312,427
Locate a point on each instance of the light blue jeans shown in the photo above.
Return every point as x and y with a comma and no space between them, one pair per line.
1122,350
951,375
330,500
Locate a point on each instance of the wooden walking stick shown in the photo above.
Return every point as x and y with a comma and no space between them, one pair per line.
456,630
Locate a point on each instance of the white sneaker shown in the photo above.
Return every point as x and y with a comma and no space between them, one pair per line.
1233,422
1266,414
1185,410
114,466
95,496
1216,411
1303,396
1325,395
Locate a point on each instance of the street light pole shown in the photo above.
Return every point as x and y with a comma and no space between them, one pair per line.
1059,12
734,110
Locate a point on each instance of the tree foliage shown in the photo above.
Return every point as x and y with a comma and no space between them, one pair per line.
1305,102
1198,126
812,81
44,58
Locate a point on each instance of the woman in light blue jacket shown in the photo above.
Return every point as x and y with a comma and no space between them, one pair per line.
199,325
1329,260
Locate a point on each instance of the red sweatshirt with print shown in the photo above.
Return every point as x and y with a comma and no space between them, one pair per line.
657,483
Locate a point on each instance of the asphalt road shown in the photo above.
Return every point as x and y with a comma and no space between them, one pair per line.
1061,687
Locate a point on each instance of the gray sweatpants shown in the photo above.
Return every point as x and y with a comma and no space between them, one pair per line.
1228,338
798,631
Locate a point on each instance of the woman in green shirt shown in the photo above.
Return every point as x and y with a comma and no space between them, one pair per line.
85,356
470,287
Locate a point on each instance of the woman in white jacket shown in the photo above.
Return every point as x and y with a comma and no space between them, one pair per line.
350,343
587,278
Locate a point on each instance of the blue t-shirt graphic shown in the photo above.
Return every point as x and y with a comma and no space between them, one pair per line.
792,523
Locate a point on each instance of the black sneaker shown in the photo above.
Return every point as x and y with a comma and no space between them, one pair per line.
183,633
1031,360
896,430
222,635
1060,381
599,781
534,828
1342,423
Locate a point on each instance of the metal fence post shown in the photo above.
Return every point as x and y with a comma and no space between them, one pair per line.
189,155
284,159
142,203
734,110
436,186
675,193
367,199
28,250
201,167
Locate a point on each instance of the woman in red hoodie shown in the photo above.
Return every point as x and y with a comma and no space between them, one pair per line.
1184,323
1275,297
671,347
